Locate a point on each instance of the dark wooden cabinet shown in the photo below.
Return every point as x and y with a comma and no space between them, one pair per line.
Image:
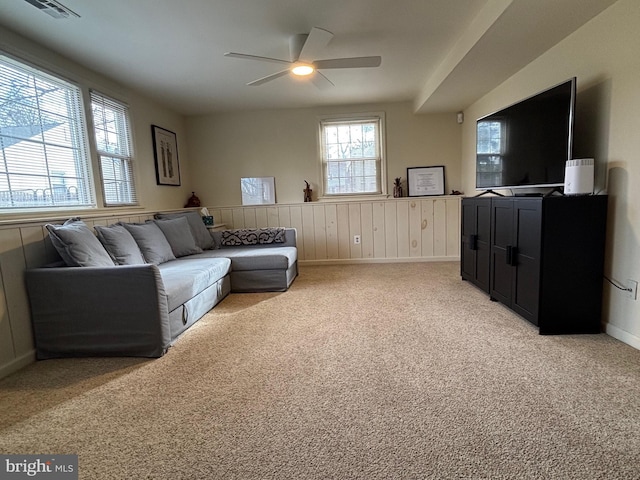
515,254
475,247
546,257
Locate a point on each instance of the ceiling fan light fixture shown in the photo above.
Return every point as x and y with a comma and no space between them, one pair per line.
305,49
302,70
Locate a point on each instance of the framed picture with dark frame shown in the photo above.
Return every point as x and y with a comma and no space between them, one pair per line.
165,153
425,181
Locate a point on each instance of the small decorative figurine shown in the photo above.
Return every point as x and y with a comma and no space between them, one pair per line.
397,188
307,192
193,201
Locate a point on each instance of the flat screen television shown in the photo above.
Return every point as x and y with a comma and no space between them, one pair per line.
527,144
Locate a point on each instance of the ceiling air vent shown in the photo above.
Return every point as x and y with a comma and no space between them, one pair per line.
53,8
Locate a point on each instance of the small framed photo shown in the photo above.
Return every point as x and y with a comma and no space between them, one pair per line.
423,181
165,152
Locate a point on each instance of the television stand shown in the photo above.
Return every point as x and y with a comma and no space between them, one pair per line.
520,251
489,191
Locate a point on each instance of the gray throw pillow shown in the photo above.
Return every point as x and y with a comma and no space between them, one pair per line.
200,233
77,245
152,243
120,244
179,236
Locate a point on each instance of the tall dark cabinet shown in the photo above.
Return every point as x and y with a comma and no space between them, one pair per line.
545,257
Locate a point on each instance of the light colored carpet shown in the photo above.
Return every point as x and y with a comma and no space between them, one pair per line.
386,371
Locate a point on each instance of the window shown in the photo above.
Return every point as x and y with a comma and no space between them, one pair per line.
113,142
490,149
44,160
352,155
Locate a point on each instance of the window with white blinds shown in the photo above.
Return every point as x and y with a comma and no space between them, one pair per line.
352,154
113,141
44,159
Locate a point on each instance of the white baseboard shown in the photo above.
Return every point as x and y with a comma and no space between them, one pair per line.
17,363
622,335
353,261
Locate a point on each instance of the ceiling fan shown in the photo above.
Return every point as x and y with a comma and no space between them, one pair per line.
304,51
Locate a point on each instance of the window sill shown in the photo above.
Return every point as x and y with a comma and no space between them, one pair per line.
29,216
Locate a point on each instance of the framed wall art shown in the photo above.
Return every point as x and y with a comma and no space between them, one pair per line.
423,181
258,190
165,152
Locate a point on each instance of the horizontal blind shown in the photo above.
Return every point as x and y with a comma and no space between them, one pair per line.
113,142
43,139
351,156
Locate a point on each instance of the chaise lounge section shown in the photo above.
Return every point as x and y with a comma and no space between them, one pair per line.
255,266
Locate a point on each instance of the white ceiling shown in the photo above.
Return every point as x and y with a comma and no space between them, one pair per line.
440,54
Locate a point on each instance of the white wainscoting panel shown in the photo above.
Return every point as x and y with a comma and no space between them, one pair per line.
406,229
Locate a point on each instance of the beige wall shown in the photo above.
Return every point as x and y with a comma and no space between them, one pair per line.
158,197
603,55
283,144
144,113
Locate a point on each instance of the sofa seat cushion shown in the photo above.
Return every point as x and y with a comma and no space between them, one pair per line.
254,257
185,278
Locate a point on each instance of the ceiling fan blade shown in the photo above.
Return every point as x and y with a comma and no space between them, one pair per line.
354,62
320,81
317,40
256,57
296,42
268,78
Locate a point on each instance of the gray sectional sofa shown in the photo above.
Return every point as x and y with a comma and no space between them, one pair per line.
133,289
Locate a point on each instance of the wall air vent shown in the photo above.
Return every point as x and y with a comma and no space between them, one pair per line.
53,8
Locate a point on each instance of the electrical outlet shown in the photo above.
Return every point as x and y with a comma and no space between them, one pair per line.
632,293
356,239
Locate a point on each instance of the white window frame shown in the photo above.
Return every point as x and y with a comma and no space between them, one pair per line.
118,155
381,170
74,140
82,132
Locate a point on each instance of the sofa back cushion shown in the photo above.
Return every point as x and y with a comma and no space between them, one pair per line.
120,244
152,243
77,245
200,233
178,234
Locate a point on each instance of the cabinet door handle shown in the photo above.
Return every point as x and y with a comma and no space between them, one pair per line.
473,242
512,255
